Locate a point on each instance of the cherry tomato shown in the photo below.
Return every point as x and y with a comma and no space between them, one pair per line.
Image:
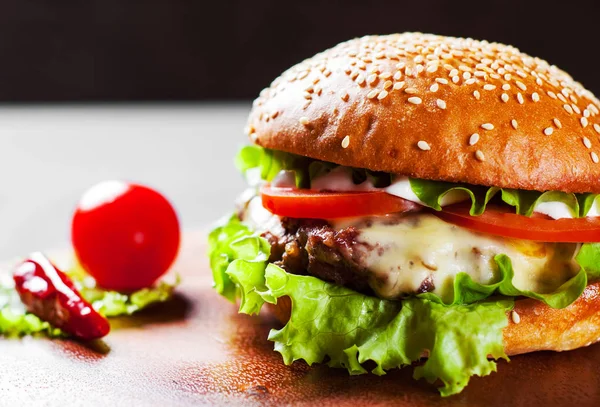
296,203
125,235
501,222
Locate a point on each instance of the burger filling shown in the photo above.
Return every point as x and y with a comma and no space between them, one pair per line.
395,255
384,269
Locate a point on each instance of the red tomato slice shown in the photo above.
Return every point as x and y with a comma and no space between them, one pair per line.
295,203
499,221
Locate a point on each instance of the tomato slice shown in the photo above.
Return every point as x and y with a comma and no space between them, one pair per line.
500,222
297,203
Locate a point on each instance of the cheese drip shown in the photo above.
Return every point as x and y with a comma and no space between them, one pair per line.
420,252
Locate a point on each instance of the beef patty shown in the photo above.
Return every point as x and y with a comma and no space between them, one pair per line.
313,247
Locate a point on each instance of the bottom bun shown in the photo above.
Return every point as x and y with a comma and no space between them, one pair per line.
532,325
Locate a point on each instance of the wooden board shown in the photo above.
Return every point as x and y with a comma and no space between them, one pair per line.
197,350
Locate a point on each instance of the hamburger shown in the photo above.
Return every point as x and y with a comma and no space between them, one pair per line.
418,199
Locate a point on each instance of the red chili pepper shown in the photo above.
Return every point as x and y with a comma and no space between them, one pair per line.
51,295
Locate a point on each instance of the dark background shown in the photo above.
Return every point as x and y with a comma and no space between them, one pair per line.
144,50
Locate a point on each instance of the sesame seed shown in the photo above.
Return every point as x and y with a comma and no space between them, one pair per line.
432,68
584,122
535,97
557,123
398,85
360,79
434,88
489,87
387,84
548,131
477,95
586,113
304,120
385,75
466,75
507,77
398,75
453,72
415,100
561,97
274,114
597,127
307,95
575,108
423,145
520,98
594,157
473,139
443,81
504,97
345,96
506,86
568,108
515,317
346,142
539,82
372,94
479,155
565,91
382,94
372,79
487,126
587,142
410,91
551,94
480,74
440,103
455,79
407,71
514,123
327,72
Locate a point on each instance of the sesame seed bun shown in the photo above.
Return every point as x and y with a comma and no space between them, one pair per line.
437,108
532,326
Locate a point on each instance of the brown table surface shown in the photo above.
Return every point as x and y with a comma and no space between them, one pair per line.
197,350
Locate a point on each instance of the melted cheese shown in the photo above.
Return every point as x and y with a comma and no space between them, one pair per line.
403,252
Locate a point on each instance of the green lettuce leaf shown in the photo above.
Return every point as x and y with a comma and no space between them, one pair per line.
16,321
589,259
334,323
467,291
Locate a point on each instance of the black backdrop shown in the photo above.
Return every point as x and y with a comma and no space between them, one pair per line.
118,50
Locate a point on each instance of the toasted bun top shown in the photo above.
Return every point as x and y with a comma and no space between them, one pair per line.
438,108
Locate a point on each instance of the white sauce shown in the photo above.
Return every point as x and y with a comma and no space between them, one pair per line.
340,180
401,187
253,177
284,179
403,252
260,220
594,209
556,210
